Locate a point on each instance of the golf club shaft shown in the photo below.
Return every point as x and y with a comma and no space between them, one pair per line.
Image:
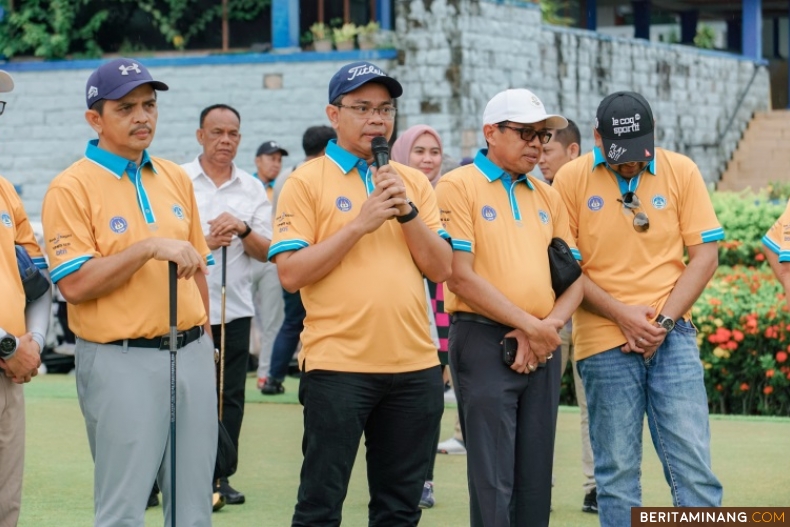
173,283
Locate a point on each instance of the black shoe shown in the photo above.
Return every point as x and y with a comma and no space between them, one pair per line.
231,495
153,499
272,387
591,502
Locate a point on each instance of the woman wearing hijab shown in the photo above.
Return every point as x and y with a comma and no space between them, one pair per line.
420,147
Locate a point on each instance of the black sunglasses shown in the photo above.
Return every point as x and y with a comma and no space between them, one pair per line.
528,134
631,202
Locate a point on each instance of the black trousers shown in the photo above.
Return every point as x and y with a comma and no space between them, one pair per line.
508,421
397,414
237,352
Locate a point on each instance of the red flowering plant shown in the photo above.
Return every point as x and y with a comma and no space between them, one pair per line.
744,339
746,217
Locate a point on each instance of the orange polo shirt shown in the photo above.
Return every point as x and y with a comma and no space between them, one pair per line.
15,229
636,268
778,236
369,314
508,225
101,205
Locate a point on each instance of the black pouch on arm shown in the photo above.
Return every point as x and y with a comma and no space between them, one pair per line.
33,281
564,268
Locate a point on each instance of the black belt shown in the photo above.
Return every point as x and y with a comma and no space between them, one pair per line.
462,316
182,338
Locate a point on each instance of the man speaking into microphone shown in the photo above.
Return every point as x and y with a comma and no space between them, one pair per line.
356,239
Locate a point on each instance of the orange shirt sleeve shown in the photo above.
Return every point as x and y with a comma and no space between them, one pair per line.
456,214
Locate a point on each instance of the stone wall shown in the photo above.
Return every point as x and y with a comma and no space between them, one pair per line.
454,56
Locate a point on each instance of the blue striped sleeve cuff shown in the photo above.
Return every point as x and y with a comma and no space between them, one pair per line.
712,235
285,246
210,259
66,268
462,245
40,262
784,256
444,234
576,254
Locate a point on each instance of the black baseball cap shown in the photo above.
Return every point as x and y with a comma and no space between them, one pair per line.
270,147
112,80
625,121
352,76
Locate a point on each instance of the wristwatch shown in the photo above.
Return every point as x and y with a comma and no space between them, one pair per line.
409,216
665,322
7,346
247,231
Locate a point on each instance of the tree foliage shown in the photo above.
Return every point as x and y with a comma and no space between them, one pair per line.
55,29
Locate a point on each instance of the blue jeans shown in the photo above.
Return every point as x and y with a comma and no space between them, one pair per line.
621,388
288,337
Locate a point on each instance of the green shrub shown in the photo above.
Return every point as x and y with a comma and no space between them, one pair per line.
746,217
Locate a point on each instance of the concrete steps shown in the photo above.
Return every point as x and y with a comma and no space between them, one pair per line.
763,155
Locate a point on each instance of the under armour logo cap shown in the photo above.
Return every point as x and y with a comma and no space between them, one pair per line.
6,82
112,80
352,76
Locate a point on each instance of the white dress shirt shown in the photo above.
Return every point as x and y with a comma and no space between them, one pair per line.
244,197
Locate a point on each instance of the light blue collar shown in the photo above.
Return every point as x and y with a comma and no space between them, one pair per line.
341,157
599,159
117,165
492,172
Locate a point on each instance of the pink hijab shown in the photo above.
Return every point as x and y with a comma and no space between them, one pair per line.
403,145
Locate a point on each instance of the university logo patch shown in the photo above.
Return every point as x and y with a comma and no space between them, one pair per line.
178,211
595,203
5,217
118,225
544,217
343,204
659,201
489,214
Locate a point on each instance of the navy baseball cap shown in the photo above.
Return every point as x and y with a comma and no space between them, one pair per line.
116,78
625,122
270,147
352,76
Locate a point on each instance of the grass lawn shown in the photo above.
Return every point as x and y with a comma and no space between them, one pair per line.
750,456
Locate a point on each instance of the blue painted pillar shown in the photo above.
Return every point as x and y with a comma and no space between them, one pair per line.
384,12
641,18
592,15
688,26
285,24
752,29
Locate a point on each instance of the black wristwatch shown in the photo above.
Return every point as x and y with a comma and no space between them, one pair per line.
665,322
246,232
410,216
7,346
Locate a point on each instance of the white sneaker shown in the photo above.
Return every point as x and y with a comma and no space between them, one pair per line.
452,447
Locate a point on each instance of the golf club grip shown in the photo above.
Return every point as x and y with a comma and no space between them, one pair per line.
224,266
173,283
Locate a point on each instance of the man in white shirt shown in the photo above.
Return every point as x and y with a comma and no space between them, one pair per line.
235,213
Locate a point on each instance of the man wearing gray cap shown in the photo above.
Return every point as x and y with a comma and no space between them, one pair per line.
23,324
113,220
505,314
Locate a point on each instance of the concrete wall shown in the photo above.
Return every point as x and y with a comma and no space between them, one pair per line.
454,56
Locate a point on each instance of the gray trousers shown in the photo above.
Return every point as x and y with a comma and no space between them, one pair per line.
124,394
508,422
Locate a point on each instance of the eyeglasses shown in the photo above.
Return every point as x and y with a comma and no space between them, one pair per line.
2,107
631,202
528,134
366,112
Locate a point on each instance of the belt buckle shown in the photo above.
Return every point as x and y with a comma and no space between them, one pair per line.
164,344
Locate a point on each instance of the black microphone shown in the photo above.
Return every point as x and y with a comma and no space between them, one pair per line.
381,151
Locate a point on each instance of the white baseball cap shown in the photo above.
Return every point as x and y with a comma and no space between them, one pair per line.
6,82
520,106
